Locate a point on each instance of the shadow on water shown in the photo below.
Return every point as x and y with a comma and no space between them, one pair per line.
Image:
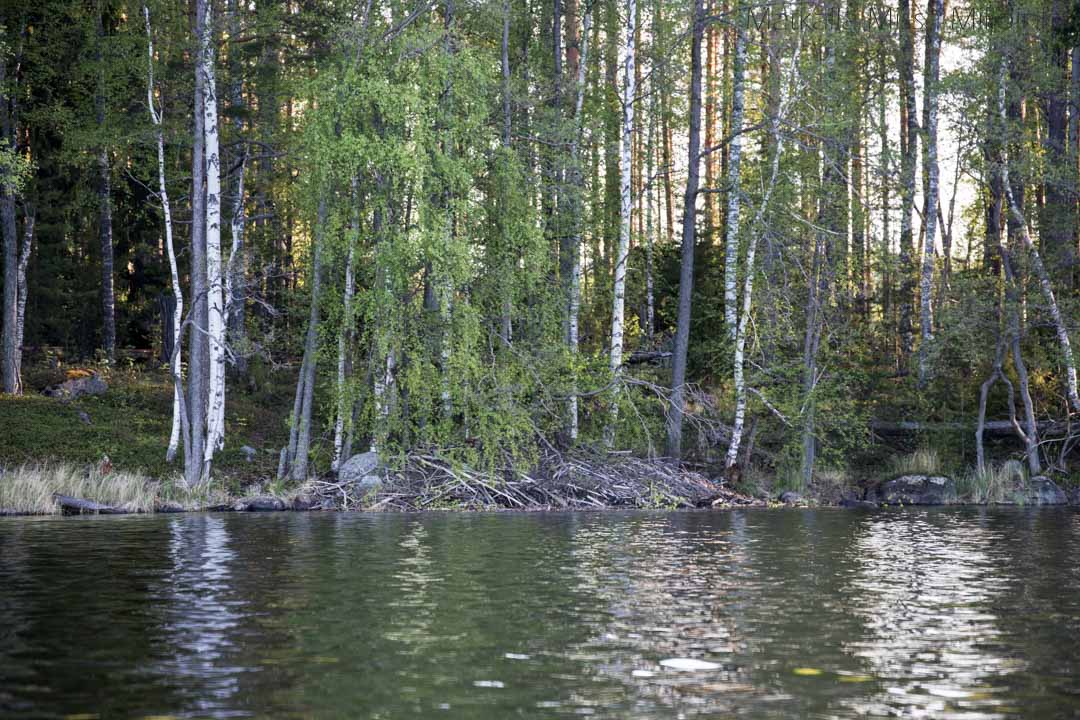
949,613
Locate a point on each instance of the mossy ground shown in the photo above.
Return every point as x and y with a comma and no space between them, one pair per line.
130,425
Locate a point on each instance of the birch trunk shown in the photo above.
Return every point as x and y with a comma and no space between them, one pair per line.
626,205
170,249
1036,262
344,404
908,154
731,223
573,316
23,291
757,229
215,422
686,270
935,11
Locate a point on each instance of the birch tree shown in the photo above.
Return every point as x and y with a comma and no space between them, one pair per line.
578,190
215,425
626,206
731,223
758,229
935,11
1060,329
156,118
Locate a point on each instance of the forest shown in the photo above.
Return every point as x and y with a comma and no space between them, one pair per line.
783,244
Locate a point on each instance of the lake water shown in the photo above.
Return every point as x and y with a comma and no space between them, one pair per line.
939,613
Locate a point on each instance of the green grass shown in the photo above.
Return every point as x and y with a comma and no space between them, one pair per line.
130,425
994,483
921,462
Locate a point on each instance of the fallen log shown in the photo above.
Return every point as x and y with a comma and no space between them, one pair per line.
75,506
996,427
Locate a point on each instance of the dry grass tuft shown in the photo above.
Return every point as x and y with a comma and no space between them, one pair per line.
29,489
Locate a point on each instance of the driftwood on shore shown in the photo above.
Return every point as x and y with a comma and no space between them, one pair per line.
74,506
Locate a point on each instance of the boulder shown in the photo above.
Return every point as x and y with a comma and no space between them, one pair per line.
260,503
913,490
78,387
168,506
790,497
303,502
358,466
363,471
249,452
1041,490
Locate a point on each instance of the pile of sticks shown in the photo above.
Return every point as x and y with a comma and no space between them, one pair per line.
580,480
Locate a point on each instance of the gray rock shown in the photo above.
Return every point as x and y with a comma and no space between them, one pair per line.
1041,490
1074,495
260,503
913,490
84,418
168,506
360,468
78,387
790,497
302,503
249,452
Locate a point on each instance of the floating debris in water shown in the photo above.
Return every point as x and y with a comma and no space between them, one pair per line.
516,656
689,664
489,683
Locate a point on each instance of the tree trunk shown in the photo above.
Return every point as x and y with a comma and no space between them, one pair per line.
199,350
215,425
626,206
908,154
1037,263
344,401
236,267
20,310
170,249
757,229
935,11
731,223
300,436
686,271
10,350
577,191
105,232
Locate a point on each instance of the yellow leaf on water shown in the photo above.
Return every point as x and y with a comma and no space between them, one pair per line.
855,678
807,671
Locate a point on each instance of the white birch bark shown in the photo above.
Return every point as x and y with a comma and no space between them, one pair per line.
626,204
926,288
166,208
22,292
1036,261
215,420
757,229
344,405
731,241
573,320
